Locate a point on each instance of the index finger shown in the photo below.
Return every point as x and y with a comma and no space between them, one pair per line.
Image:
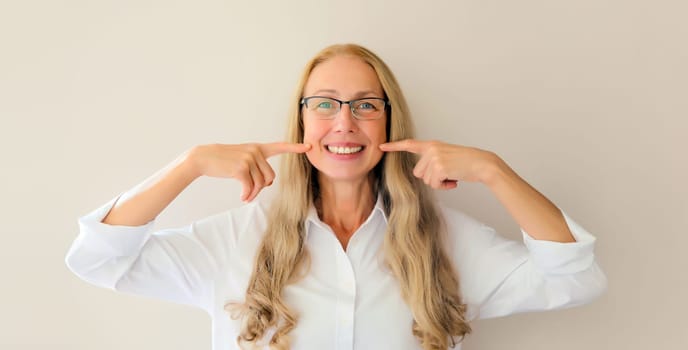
408,145
275,148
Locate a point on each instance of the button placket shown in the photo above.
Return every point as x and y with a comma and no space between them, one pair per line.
346,300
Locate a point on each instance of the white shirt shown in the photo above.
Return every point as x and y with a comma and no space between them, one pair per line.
348,300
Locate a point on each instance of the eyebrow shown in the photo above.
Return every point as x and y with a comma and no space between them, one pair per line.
356,95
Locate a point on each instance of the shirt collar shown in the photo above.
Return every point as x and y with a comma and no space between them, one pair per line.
313,219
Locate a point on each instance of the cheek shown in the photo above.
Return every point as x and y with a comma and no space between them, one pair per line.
314,152
310,137
378,133
312,133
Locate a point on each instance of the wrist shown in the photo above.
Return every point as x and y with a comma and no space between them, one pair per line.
190,164
494,171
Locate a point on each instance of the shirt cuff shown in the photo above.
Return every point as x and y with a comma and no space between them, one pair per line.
557,258
114,240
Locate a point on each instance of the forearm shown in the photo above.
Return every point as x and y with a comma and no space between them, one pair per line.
534,213
144,202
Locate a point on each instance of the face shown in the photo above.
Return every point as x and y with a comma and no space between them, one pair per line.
344,78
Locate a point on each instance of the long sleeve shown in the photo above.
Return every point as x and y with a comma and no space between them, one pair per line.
500,277
178,265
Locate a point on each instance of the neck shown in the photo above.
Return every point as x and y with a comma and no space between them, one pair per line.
345,205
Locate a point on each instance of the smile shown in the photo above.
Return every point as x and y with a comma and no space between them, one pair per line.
344,150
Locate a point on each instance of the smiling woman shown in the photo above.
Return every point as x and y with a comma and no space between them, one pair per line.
355,252
337,131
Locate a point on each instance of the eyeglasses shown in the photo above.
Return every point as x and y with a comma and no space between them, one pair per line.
369,108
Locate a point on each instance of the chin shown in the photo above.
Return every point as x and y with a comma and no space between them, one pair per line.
342,177
338,173
352,170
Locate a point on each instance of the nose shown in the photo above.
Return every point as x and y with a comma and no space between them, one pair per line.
345,120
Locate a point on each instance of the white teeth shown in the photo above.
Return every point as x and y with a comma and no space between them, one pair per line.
344,150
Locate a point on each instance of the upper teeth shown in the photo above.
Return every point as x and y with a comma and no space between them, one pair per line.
344,150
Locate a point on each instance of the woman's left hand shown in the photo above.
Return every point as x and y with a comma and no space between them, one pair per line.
442,165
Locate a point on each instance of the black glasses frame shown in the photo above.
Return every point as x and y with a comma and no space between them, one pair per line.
304,102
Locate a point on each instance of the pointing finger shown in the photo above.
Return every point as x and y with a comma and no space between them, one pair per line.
273,149
408,145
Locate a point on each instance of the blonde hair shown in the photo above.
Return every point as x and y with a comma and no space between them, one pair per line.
413,241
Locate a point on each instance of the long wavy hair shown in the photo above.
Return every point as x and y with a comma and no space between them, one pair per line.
413,241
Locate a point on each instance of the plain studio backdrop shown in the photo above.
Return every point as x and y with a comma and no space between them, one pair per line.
586,100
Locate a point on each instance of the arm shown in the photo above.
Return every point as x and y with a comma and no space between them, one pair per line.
555,268
533,212
501,277
146,201
246,163
443,166
117,249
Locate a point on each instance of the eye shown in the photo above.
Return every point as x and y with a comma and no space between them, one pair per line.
324,104
367,105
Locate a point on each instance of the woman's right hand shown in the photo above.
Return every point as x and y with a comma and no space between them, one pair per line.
244,162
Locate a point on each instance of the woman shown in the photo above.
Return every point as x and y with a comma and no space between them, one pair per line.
354,253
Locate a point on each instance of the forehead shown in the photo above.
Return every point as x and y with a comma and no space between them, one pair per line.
344,74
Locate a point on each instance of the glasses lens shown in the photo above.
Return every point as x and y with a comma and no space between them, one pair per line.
322,106
369,108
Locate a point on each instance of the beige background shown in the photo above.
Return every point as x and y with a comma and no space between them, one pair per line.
585,99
